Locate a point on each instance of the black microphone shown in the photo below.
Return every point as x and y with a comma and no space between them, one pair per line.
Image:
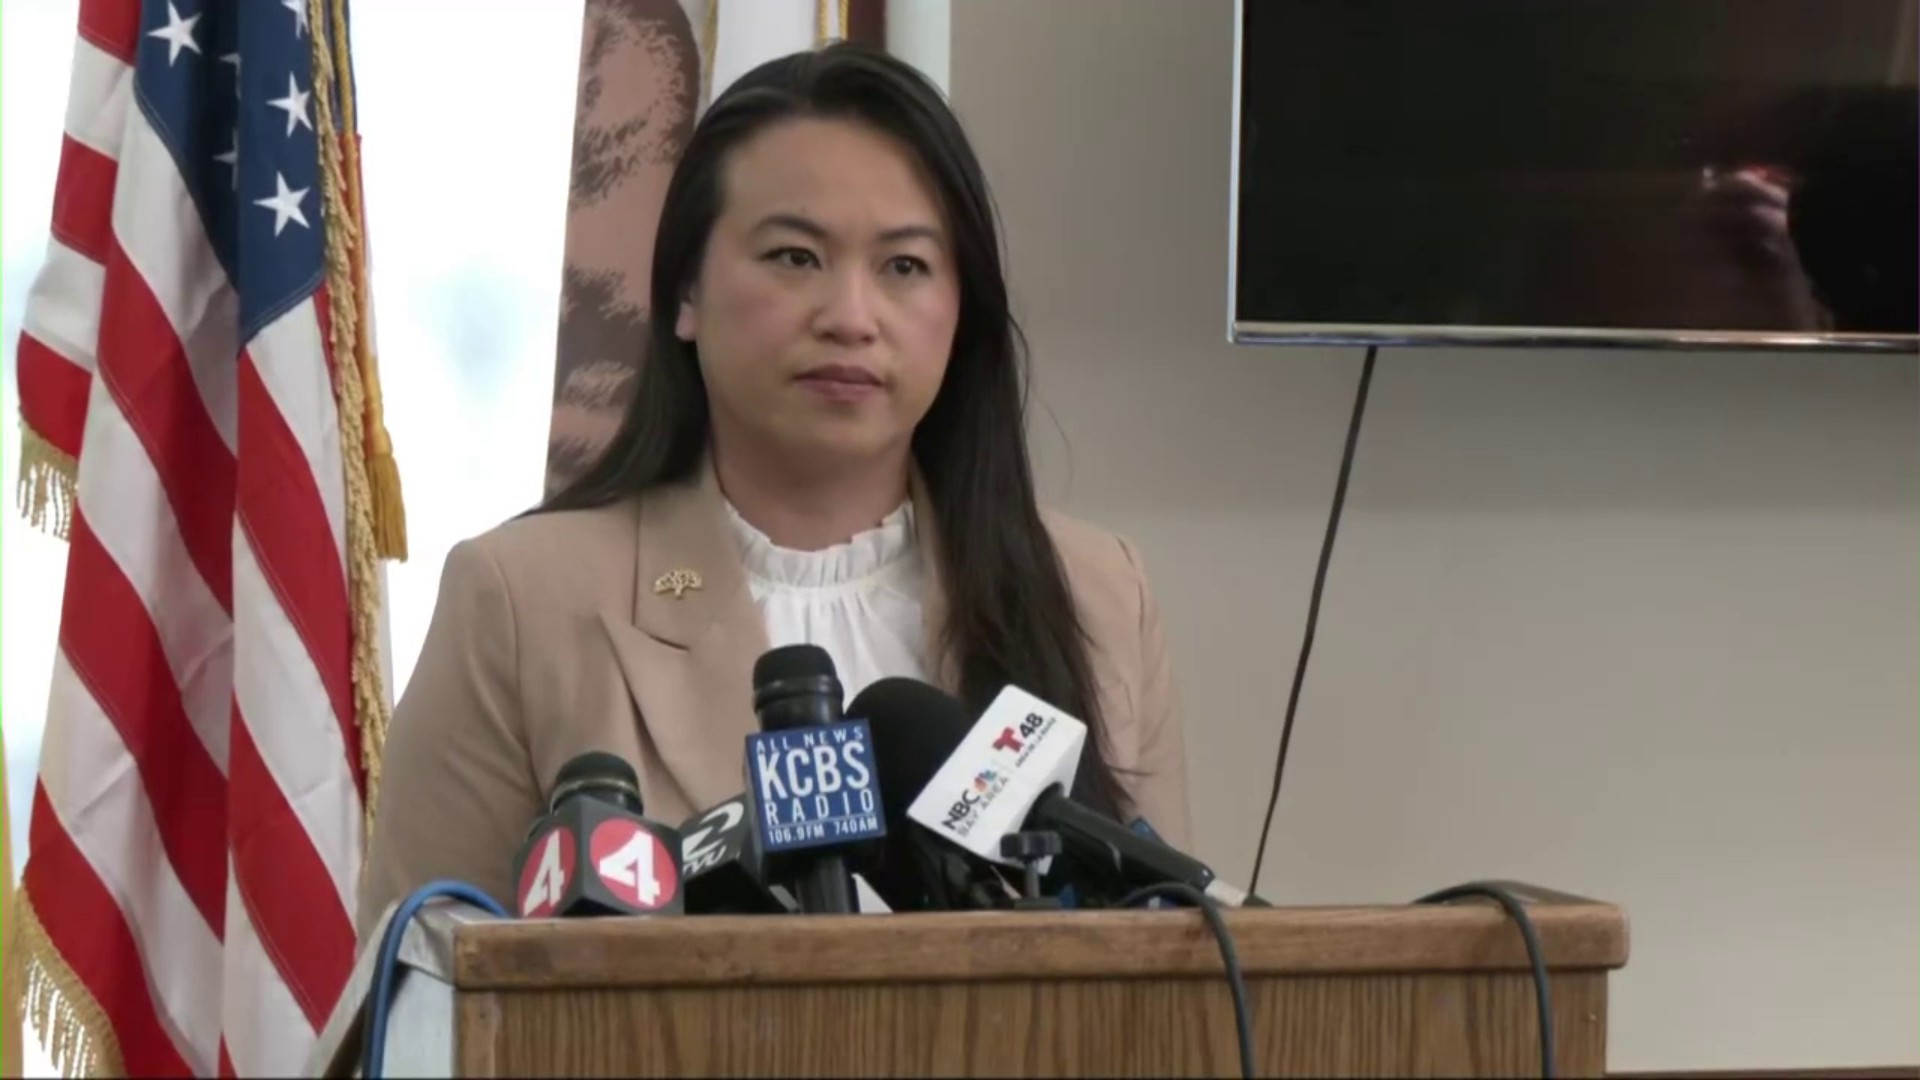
915,870
722,867
998,778
594,852
810,779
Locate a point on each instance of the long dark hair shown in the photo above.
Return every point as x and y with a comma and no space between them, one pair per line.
1011,617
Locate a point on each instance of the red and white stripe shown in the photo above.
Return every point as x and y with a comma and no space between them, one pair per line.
197,823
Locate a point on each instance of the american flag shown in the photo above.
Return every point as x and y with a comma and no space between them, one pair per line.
197,823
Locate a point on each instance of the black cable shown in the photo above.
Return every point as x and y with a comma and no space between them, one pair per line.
1536,957
1229,956
1313,604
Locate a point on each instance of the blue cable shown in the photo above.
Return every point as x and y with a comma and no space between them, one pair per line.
374,1052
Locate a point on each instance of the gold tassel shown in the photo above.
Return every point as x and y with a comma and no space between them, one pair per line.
46,489
69,1022
370,700
389,513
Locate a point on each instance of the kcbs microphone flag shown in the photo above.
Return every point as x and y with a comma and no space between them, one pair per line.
202,423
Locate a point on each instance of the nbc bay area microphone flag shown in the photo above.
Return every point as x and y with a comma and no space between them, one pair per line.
201,422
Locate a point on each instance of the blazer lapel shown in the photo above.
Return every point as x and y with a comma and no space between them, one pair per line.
689,651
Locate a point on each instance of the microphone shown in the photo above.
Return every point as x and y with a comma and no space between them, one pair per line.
1219,890
722,868
1010,773
594,852
811,788
916,871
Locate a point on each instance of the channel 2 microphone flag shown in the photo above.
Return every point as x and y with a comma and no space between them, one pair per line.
201,419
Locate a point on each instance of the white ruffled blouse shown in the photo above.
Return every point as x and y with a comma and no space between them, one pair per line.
860,601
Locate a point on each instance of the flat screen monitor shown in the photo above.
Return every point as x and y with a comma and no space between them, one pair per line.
1714,173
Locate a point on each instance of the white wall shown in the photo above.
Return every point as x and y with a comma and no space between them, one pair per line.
1640,626
921,33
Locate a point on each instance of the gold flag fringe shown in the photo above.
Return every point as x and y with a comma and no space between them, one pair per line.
46,487
344,250
68,1021
389,510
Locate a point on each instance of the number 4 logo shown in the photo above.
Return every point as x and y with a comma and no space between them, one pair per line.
544,881
633,864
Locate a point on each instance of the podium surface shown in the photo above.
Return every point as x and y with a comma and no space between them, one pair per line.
1333,991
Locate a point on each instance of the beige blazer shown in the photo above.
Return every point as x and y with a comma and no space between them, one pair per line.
549,639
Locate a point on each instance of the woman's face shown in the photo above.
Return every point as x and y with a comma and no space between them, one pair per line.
826,302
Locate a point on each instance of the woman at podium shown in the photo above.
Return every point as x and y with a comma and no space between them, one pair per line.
826,445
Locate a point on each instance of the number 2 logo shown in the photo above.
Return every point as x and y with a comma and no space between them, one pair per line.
698,856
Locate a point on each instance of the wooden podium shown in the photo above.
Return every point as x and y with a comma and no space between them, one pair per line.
1336,991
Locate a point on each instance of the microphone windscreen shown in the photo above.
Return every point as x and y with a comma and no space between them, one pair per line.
795,686
597,765
916,727
793,662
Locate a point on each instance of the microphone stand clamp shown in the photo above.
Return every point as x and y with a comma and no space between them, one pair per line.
1028,849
